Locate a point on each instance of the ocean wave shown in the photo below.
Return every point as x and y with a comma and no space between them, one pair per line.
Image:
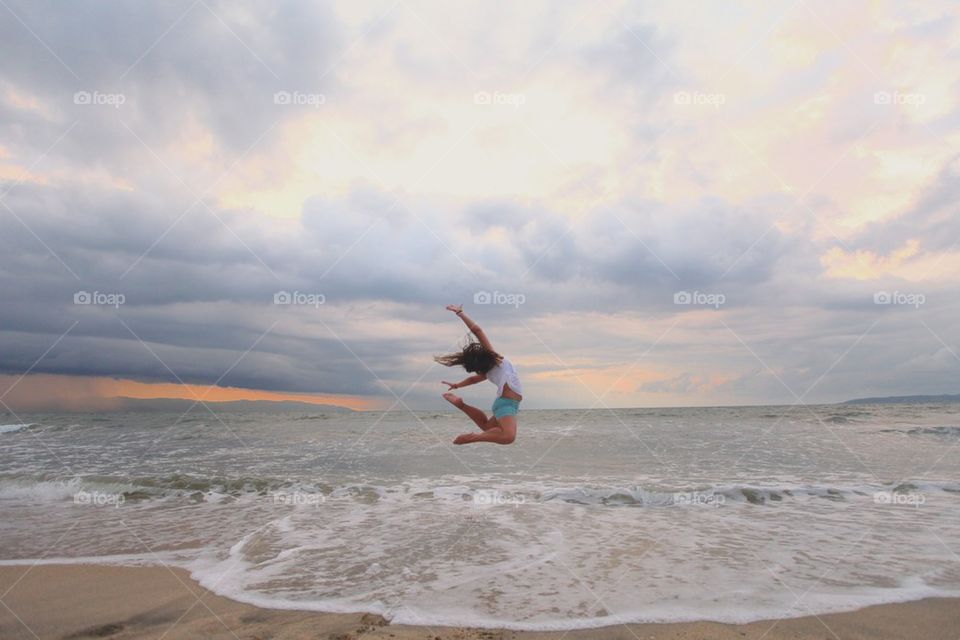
12,428
287,491
945,431
837,419
737,493
37,427
140,488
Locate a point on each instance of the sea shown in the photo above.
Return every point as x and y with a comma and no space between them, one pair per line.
591,518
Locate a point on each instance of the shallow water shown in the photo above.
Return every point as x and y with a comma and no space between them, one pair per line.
730,514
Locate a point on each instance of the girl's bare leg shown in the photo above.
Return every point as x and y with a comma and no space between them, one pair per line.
505,432
477,415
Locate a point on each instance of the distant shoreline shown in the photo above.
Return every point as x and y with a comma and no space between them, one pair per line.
921,399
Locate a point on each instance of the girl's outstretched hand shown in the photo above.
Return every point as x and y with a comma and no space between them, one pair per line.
451,385
456,308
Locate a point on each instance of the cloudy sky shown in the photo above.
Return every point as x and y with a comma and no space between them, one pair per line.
644,203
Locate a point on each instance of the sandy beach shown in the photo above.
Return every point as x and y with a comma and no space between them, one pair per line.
86,601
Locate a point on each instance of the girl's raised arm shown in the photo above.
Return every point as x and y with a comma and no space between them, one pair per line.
472,326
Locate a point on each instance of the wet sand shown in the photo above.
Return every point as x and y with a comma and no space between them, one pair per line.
86,601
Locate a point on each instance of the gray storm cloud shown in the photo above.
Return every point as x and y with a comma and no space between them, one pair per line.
199,286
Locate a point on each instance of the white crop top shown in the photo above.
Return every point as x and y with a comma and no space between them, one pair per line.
505,373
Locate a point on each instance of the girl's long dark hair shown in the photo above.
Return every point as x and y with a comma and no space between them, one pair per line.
473,357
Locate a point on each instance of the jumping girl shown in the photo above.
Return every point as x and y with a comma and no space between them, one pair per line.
480,359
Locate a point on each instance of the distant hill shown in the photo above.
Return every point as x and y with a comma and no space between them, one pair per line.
121,403
943,399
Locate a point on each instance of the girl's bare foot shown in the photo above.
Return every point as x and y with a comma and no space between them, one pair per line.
453,399
465,438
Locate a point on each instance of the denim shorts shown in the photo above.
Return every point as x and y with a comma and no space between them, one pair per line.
505,407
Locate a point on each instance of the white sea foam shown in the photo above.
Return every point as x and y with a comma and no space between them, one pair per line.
233,577
30,490
182,559
10,428
542,565
444,604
